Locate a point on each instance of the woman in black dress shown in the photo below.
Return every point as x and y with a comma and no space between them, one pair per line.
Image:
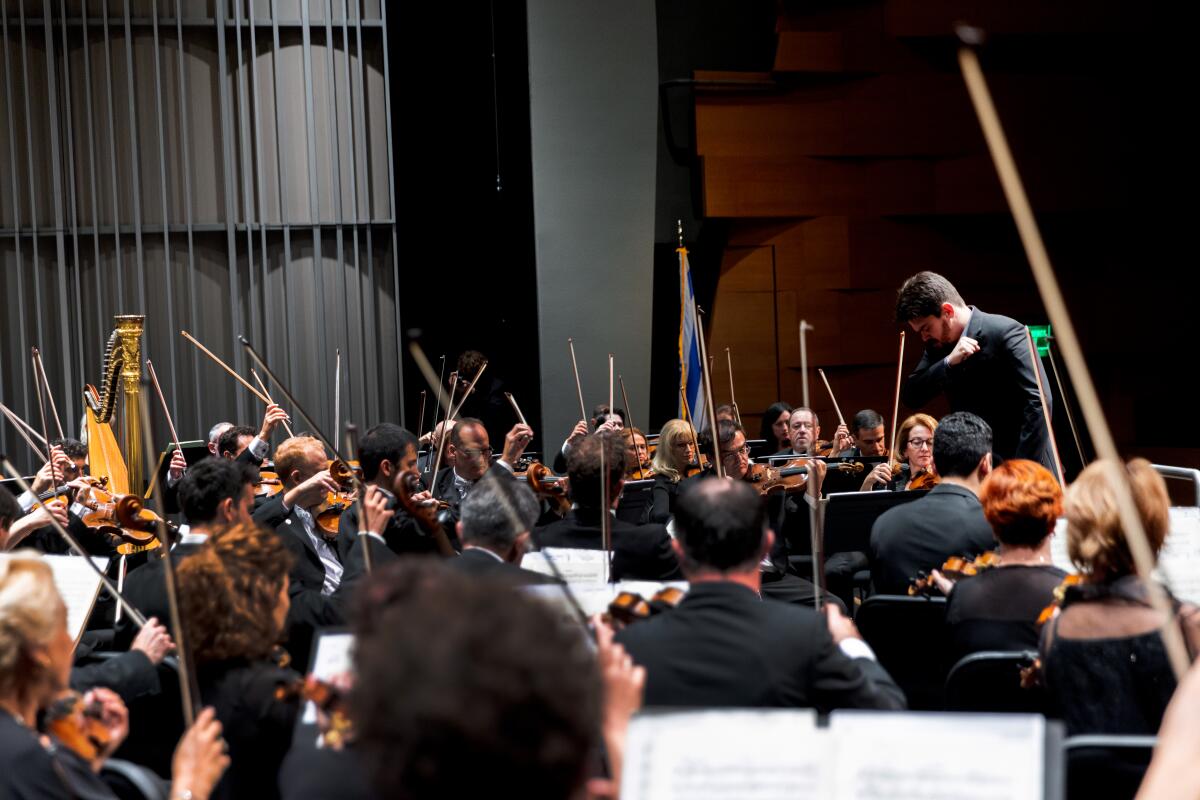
35,667
234,598
675,452
998,608
1104,663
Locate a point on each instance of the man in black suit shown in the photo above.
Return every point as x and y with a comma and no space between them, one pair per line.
949,521
727,646
470,449
497,517
641,552
982,363
317,557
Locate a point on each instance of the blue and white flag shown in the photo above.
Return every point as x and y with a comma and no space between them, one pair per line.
691,381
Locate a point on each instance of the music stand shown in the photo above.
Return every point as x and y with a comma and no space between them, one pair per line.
848,517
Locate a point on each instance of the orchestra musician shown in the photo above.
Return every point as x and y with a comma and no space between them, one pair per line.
754,651
497,517
914,443
603,419
675,454
774,427
471,449
981,363
948,521
867,435
35,662
637,455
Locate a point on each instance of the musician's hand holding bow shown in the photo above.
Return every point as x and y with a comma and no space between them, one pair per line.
178,466
515,443
881,474
54,471
271,420
841,440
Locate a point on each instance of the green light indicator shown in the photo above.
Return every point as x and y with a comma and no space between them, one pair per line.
1040,334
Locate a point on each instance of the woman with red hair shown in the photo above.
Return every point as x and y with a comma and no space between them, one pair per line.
998,608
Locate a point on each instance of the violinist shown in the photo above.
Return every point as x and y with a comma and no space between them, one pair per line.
603,419
233,595
433,440
867,434
640,552
69,473
774,428
497,517
1104,663
998,609
914,443
15,524
727,643
472,452
804,431
946,522
213,494
316,557
486,401
637,455
676,452
35,661
980,361
724,412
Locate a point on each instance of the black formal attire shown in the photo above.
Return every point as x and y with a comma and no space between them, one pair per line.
256,724
403,536
319,773
146,590
997,383
477,562
724,647
640,552
998,608
921,535
449,487
130,674
310,608
29,771
662,500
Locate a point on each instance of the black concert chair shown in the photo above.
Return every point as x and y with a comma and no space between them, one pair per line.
991,681
909,639
1106,766
129,781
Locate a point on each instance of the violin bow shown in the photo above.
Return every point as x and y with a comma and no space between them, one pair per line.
437,464
816,535
24,431
162,400
632,427
578,387
1072,352
189,688
516,409
42,410
896,399
266,400
266,392
1066,405
352,451
1037,374
421,416
439,390
611,398
687,417
337,391
737,414
605,518
841,419
41,368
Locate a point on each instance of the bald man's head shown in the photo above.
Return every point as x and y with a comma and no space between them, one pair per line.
721,525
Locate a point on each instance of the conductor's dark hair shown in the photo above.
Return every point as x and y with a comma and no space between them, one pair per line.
769,418
583,468
922,295
228,443
462,691
384,442
962,440
720,525
866,420
208,483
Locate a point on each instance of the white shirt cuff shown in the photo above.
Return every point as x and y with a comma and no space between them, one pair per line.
374,536
856,648
27,501
258,448
505,464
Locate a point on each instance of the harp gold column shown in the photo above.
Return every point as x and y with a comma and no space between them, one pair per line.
129,341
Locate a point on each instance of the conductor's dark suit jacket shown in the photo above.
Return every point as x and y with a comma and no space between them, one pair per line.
997,383
919,536
724,647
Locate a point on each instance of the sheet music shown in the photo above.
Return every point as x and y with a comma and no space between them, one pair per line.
920,756
726,755
577,566
79,586
332,658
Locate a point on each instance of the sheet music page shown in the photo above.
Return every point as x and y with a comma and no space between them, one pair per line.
577,566
772,754
1179,561
332,658
79,586
931,756
1058,547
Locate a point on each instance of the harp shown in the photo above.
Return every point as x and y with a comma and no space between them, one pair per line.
122,374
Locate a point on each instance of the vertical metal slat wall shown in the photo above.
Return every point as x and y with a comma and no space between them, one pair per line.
220,166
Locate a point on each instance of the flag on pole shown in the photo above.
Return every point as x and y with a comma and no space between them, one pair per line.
690,375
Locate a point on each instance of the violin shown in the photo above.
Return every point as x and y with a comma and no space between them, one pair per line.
78,726
548,486
329,700
268,484
427,514
956,568
1031,676
925,478
695,467
790,476
640,472
328,515
139,524
629,607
